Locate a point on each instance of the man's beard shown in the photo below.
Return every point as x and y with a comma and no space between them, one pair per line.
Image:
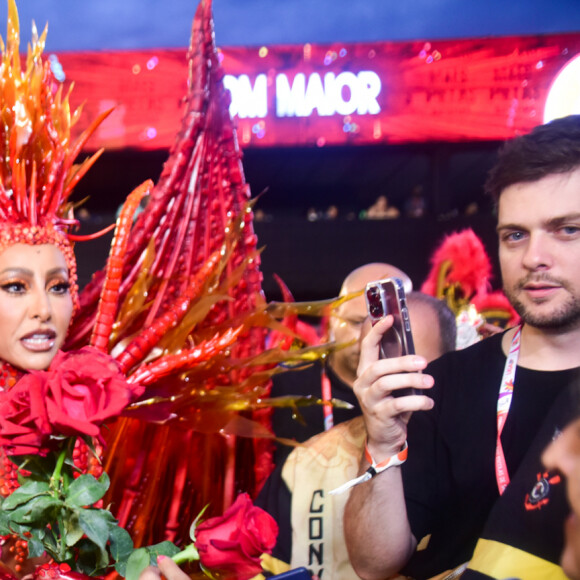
566,316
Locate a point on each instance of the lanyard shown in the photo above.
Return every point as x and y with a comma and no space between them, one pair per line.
504,401
326,396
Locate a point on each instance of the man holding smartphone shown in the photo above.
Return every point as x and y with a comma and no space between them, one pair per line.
473,488
335,376
297,493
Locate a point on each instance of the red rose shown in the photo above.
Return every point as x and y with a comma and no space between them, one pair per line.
234,542
84,388
24,427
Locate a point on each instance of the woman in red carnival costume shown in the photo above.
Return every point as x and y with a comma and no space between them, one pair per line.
38,280
171,319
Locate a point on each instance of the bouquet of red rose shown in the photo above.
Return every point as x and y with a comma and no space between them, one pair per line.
56,506
229,545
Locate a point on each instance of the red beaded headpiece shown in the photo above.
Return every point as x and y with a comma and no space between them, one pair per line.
37,170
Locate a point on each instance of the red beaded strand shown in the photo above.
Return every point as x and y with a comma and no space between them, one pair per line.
8,376
8,471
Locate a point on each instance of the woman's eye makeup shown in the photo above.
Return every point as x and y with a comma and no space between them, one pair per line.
21,286
60,287
13,286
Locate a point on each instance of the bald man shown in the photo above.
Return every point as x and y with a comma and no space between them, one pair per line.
339,372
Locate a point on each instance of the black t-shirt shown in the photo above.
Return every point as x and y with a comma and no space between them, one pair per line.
449,477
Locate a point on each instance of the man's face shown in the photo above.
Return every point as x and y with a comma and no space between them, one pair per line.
539,250
563,454
352,323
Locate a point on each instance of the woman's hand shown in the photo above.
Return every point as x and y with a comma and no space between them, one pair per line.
386,416
167,567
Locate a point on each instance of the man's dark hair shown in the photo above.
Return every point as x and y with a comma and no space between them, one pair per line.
445,318
547,150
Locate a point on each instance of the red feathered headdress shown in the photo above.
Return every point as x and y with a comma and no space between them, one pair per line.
460,269
460,275
37,174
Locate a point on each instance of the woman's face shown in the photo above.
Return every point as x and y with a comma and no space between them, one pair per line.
35,305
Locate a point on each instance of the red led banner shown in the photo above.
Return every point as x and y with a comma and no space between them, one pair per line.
483,89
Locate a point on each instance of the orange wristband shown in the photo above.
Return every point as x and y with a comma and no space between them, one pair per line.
397,459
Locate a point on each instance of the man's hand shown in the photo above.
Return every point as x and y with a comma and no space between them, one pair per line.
386,417
381,551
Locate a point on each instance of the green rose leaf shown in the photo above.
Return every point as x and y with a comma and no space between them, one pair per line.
137,562
85,490
102,563
121,543
4,523
96,524
45,535
25,493
39,509
92,560
163,548
35,548
72,528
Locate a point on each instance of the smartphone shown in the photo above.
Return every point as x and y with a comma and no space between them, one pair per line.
385,297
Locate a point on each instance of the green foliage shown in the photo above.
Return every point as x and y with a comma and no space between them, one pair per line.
55,513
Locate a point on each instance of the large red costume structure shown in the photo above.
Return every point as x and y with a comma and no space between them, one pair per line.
188,270
179,304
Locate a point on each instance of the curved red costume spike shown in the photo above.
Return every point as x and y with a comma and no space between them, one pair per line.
185,359
114,270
